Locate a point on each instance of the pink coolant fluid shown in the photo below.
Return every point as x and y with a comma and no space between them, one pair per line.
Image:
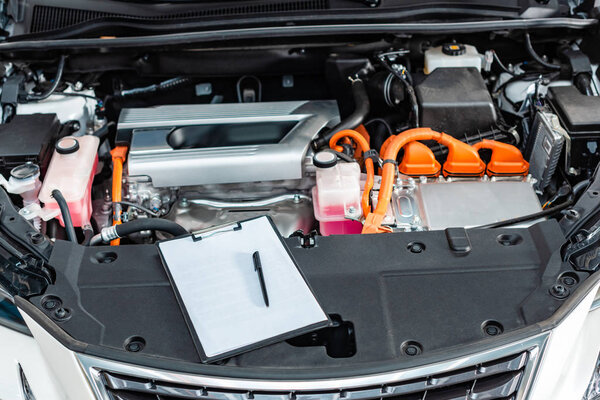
72,171
336,198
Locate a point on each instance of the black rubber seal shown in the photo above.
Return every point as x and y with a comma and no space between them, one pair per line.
67,150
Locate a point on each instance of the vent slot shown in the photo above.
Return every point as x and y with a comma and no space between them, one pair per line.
48,18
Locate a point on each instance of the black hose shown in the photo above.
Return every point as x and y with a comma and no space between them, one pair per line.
102,132
87,236
583,82
57,78
150,224
529,217
412,96
362,106
535,55
66,214
580,187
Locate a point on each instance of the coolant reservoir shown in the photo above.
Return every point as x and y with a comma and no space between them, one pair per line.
336,198
452,55
72,171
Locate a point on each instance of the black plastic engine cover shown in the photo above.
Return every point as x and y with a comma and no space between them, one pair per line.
455,101
388,288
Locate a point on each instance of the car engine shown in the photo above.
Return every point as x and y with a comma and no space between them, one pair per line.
444,137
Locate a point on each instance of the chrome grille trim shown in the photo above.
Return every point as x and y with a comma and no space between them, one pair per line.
358,387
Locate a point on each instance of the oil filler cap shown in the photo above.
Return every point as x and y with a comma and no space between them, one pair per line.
67,145
325,159
454,49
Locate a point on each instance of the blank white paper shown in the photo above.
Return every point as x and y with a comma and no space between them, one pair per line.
221,292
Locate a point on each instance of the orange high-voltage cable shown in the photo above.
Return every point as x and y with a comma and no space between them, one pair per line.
118,154
364,146
462,160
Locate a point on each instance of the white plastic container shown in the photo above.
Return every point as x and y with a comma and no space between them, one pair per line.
452,56
336,197
72,171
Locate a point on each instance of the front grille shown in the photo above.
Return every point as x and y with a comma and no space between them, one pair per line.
47,18
495,380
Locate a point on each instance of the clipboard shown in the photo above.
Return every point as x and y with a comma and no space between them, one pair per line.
217,288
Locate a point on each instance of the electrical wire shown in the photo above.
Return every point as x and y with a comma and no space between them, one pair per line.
142,208
59,72
501,64
409,89
535,55
238,87
75,94
382,122
529,217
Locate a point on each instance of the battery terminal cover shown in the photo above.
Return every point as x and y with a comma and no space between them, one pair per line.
419,160
506,159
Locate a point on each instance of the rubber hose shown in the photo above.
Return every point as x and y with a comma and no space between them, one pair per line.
583,82
102,132
66,215
57,78
362,106
535,55
150,224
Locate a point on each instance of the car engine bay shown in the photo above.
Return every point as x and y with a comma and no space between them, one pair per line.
451,173
517,141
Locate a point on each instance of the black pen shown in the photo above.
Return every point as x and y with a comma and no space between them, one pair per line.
261,277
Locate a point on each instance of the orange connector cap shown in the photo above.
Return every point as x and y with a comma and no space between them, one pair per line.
506,160
463,160
418,160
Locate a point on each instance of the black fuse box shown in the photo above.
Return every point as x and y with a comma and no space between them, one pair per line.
27,138
580,116
455,101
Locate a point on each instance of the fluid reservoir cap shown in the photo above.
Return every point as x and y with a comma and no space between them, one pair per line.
454,49
67,145
325,159
25,171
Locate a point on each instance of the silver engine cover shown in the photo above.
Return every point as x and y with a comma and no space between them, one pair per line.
154,154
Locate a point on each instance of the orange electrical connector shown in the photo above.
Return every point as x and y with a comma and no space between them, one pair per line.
418,160
506,160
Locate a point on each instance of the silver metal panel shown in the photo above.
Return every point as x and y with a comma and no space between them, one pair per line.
151,155
290,212
473,203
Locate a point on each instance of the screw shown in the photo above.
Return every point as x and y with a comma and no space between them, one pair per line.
559,291
572,215
569,280
133,347
61,313
50,303
351,210
492,330
416,247
296,199
183,203
36,238
411,351
25,211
